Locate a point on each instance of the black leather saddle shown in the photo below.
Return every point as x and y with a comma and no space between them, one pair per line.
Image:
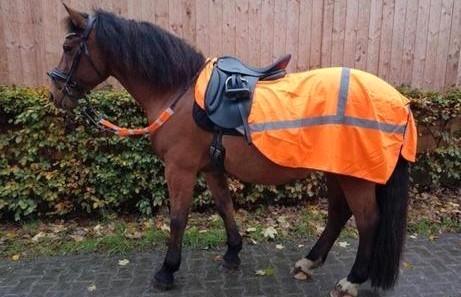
230,89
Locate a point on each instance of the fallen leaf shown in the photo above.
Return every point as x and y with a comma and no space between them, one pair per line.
260,272
217,258
251,229
414,236
123,262
407,265
92,288
77,237
279,247
253,241
343,244
38,236
97,229
269,232
165,228
203,231
214,218
300,245
15,257
265,272
57,228
133,234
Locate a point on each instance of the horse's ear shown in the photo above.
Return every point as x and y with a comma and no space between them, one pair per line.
76,17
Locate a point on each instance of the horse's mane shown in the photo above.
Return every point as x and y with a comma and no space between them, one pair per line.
147,50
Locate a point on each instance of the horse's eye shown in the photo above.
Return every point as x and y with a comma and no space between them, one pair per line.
66,48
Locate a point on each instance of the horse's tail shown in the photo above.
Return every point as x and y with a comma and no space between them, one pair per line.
389,240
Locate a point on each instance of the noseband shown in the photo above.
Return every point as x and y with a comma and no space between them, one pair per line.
71,88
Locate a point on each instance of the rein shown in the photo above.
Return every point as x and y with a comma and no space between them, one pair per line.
164,116
70,85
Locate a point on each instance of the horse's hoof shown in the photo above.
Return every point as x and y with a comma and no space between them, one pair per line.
230,266
302,276
338,293
163,281
344,288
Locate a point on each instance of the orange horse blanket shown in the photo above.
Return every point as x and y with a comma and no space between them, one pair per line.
337,120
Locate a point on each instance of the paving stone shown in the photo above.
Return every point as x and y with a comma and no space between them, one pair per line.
434,272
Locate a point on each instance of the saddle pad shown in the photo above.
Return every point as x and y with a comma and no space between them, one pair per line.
337,120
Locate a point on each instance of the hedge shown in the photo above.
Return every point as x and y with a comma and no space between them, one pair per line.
53,166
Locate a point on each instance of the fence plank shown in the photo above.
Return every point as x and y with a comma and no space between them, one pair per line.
350,34
267,32
304,35
202,37
386,39
443,44
292,33
161,13
374,36
189,20
175,17
229,28
4,77
315,56
420,48
280,29
215,20
398,39
409,43
26,45
327,32
254,34
339,23
361,46
242,47
432,40
453,58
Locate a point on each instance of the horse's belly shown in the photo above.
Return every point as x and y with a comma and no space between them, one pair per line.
246,163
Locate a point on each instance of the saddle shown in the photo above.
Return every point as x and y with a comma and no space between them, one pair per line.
230,89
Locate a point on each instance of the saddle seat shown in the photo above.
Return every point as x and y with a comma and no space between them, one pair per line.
230,89
234,65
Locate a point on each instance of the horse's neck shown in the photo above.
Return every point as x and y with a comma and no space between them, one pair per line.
152,100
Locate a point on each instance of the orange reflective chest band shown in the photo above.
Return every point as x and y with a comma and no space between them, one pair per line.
337,120
124,132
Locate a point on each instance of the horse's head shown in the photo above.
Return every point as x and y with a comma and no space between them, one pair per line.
82,65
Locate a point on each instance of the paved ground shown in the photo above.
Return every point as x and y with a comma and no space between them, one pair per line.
433,269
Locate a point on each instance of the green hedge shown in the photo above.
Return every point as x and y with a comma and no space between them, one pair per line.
50,166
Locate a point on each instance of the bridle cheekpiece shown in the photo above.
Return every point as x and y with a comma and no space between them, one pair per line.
71,88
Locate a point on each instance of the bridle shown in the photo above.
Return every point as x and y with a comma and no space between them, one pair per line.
71,88
76,91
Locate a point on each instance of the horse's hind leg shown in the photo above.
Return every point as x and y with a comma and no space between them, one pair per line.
217,184
338,214
361,198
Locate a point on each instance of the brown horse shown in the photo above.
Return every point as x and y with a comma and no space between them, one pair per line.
154,66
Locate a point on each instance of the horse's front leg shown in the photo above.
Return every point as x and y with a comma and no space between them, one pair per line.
217,183
181,183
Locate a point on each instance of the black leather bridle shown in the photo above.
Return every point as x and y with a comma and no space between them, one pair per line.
72,88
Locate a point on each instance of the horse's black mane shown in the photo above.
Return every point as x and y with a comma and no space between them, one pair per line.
147,50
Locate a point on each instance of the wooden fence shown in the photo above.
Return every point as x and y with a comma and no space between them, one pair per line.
411,42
